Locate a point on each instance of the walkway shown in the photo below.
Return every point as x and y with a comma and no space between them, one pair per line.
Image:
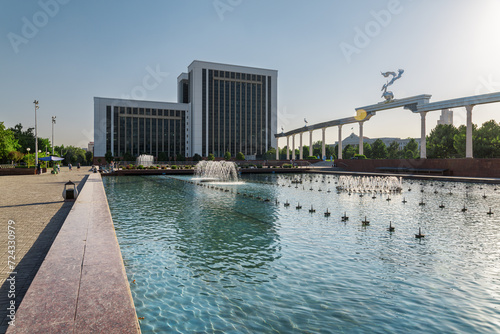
35,204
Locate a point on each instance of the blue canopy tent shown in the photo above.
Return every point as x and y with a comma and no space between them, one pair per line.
51,158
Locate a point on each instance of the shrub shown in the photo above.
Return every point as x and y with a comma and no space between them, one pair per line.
286,166
211,157
227,156
140,167
359,156
259,166
197,157
173,167
311,157
240,156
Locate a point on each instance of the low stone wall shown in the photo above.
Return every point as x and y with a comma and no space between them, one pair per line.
17,171
457,167
81,286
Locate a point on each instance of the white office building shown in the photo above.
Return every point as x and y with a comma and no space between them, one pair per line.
220,108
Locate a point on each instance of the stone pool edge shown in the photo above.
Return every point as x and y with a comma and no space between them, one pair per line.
81,286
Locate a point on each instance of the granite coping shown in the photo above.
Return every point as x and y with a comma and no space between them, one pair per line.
81,287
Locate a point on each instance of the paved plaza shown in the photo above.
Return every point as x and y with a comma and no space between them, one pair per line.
35,204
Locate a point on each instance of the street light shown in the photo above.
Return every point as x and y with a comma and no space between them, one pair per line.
53,122
36,135
28,149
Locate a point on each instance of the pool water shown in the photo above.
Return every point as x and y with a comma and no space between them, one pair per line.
201,259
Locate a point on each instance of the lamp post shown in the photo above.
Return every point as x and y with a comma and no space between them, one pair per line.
28,149
36,135
53,122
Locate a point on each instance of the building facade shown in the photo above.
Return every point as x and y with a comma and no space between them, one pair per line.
131,127
220,108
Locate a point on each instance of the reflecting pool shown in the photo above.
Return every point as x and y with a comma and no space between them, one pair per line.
232,258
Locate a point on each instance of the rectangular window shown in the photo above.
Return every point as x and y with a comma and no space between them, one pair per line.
147,148
122,145
141,135
135,137
141,111
153,149
203,112
269,109
115,131
108,129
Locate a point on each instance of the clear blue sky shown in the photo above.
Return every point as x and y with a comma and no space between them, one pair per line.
82,49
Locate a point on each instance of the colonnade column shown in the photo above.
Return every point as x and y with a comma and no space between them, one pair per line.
311,143
423,144
301,155
293,147
360,150
287,147
339,154
277,149
468,132
323,150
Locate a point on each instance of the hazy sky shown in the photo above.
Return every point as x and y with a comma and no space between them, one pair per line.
328,54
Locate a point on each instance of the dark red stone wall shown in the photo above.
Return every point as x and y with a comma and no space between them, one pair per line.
457,167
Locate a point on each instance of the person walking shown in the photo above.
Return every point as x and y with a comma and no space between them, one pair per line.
69,166
78,166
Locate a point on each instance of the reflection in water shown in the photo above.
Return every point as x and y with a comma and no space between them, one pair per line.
206,259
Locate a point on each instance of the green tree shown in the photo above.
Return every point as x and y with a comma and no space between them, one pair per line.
227,156
393,150
440,142
349,151
270,154
197,157
367,150
26,139
89,157
210,157
283,152
8,142
411,149
305,150
127,156
108,157
74,155
15,156
379,150
240,156
487,141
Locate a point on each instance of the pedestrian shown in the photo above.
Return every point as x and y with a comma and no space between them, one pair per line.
78,166
69,166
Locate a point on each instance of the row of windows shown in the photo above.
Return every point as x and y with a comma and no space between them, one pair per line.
148,111
141,135
236,115
237,76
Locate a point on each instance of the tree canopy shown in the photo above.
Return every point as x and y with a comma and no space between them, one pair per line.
8,142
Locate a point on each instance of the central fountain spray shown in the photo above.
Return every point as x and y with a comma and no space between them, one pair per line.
223,171
370,184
